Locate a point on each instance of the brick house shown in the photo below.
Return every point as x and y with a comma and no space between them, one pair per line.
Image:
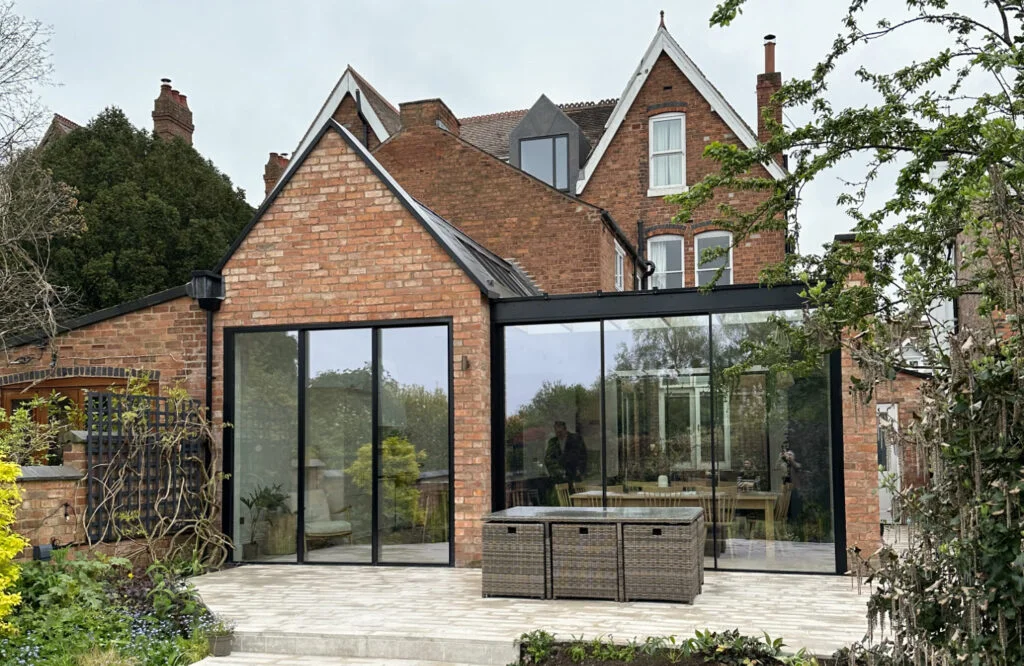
426,309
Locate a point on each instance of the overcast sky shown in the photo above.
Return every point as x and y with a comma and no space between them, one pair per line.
256,72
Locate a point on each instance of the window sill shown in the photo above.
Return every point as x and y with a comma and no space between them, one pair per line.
665,191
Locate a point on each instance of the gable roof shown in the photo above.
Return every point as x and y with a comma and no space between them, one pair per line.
59,126
495,277
382,116
490,133
664,43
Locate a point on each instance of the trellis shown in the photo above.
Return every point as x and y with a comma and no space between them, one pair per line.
146,459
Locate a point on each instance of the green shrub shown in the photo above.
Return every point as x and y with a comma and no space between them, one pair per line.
11,543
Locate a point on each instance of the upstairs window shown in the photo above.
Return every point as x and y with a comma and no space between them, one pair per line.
706,270
667,143
546,159
666,252
620,268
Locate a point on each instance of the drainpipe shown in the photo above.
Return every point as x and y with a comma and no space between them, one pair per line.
207,288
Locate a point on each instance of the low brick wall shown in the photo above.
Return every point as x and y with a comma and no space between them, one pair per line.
53,502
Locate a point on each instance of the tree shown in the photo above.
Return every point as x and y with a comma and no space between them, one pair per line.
156,210
951,229
35,211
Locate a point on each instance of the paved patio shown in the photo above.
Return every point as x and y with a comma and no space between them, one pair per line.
438,613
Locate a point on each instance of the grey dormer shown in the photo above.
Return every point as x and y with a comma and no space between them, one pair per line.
548,145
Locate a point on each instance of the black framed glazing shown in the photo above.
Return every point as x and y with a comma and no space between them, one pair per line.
670,302
228,408
553,140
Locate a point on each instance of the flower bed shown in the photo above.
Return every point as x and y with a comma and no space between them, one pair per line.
96,610
730,648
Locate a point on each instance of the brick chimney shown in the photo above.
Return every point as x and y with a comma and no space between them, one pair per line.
428,112
768,84
171,115
273,170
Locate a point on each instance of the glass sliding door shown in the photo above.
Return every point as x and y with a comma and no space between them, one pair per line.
412,481
679,411
774,427
553,415
338,441
265,434
342,444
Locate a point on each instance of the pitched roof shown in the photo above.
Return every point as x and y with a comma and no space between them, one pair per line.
495,277
491,132
664,43
59,126
382,116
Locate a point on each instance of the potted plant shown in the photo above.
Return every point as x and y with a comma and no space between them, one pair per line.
261,502
219,634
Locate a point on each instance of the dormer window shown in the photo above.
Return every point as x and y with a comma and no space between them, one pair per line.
667,147
547,159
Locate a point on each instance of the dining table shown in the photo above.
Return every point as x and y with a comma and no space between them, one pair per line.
760,501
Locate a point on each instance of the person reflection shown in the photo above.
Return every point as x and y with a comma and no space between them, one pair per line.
566,456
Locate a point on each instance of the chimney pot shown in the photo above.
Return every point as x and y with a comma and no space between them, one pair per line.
769,54
171,115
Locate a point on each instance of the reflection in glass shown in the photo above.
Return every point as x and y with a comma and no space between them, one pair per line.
776,428
338,506
265,432
553,415
414,445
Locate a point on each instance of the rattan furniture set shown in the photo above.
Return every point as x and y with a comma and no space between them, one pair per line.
622,553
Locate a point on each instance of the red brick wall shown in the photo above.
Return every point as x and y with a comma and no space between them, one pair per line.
905,391
560,241
860,465
347,114
336,246
620,182
169,338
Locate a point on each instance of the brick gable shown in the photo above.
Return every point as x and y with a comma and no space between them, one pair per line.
619,182
336,245
561,242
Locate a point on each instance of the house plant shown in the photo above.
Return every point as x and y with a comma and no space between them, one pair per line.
261,503
220,633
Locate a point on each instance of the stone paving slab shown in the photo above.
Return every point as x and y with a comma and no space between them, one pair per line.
258,659
438,613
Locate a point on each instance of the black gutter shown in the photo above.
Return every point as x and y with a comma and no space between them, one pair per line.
656,303
104,314
617,231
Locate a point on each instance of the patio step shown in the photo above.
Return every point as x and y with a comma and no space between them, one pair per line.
376,648
267,659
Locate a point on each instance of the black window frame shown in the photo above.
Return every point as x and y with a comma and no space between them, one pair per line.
554,159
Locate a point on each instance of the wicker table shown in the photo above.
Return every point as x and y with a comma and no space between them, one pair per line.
621,553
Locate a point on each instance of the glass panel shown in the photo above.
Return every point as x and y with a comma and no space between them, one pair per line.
705,244
552,414
658,411
265,433
673,254
535,158
413,411
561,162
667,170
339,435
775,474
668,135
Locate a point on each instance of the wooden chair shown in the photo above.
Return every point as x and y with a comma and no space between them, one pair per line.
782,505
722,508
434,502
562,490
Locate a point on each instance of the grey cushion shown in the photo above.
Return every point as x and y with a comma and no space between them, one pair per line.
328,527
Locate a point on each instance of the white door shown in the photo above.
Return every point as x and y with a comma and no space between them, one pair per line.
888,459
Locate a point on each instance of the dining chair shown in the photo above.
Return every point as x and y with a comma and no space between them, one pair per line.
562,489
722,508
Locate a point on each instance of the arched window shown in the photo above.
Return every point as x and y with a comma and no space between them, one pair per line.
705,271
667,254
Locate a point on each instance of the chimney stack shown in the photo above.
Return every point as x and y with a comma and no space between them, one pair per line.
273,170
428,113
768,83
171,115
